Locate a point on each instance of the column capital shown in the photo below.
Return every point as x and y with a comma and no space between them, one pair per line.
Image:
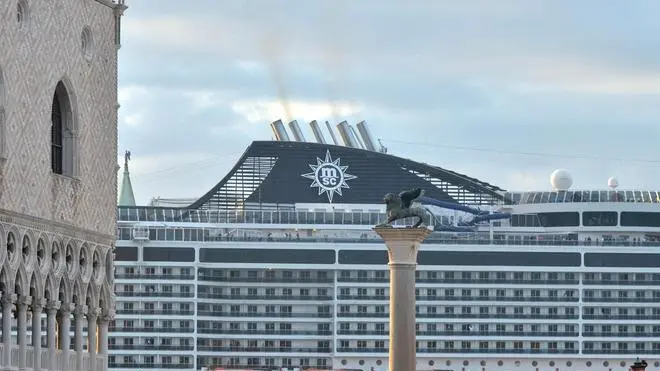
38,303
108,316
9,298
93,312
80,310
402,243
53,306
24,301
67,307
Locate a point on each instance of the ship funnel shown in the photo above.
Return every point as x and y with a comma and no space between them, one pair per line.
280,131
366,135
332,133
346,135
297,133
318,134
356,137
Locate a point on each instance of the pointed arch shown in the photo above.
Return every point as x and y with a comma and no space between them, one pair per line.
64,290
64,130
50,290
3,250
105,299
27,250
21,284
92,297
78,296
12,246
71,256
43,253
4,281
36,289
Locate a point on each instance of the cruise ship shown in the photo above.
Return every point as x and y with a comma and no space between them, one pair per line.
277,268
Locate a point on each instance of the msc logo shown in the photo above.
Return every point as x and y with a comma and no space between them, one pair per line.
329,176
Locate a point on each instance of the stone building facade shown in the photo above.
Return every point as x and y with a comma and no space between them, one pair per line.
58,181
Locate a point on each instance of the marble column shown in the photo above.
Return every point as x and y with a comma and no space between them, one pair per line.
65,333
104,322
37,308
92,323
8,301
402,246
51,310
79,318
22,306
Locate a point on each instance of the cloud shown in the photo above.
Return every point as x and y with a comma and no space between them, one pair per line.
476,86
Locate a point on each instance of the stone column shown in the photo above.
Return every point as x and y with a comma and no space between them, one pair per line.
37,307
21,307
8,301
402,246
104,322
51,311
92,322
65,333
79,318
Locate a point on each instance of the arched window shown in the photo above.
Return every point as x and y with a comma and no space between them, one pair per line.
62,133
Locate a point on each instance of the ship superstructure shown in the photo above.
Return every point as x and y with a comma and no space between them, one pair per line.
277,267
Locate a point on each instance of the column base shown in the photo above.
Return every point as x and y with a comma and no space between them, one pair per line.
9,368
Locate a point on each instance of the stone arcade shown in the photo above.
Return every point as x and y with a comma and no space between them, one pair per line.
58,168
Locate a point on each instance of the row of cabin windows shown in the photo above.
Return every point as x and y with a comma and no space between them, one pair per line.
589,219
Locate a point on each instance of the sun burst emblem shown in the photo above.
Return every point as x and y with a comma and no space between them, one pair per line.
329,176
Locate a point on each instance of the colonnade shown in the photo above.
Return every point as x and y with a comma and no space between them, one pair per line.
58,334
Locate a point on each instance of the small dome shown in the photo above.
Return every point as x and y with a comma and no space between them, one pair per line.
612,182
561,180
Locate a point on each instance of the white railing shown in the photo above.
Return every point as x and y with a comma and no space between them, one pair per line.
100,363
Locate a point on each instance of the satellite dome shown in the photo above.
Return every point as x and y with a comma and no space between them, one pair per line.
561,180
612,182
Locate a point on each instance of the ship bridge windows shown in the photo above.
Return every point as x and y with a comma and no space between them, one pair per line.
548,220
599,219
640,219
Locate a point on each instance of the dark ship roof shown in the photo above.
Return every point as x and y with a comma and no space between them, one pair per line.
277,174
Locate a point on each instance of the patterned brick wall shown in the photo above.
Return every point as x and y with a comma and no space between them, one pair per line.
35,54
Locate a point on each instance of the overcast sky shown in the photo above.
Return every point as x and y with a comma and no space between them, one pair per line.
503,90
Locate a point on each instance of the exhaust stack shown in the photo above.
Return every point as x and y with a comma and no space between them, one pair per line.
346,135
366,136
356,137
280,131
297,133
318,134
332,133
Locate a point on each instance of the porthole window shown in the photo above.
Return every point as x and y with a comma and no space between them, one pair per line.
535,363
87,43
588,363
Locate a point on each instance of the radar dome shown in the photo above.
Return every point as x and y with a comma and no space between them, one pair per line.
612,182
561,180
